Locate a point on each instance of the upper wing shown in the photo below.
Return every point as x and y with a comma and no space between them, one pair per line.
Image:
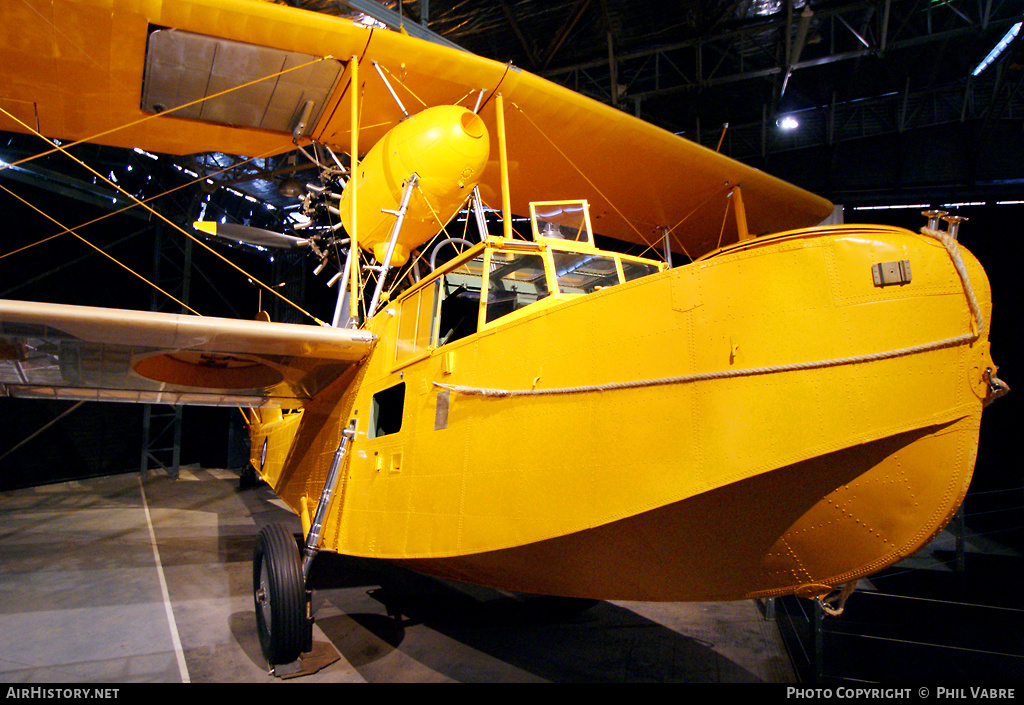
75,70
79,352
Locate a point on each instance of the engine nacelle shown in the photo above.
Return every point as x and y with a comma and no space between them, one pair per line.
447,146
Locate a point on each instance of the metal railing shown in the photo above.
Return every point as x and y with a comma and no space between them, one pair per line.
954,611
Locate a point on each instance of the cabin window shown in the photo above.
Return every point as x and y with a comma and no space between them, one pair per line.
386,411
516,280
634,270
460,301
416,322
583,273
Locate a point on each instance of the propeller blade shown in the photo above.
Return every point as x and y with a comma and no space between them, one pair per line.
250,235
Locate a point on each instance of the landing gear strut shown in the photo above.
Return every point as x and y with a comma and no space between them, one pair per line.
284,616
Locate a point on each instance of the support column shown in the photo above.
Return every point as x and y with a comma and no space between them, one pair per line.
162,423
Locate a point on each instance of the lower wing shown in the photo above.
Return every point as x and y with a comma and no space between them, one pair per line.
58,351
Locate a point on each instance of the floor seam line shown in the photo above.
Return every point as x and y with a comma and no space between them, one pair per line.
175,638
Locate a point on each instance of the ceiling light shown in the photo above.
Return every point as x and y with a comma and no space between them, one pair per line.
367,21
997,49
788,123
889,208
763,8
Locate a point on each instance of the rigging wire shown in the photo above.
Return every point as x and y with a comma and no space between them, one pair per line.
420,100
63,149
129,207
93,138
105,254
716,192
426,246
45,426
650,246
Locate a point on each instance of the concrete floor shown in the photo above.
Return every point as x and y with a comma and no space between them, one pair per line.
118,580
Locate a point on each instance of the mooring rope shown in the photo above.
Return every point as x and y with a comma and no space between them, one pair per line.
833,605
961,269
996,386
707,376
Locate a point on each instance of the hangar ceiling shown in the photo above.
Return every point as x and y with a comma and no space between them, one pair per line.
858,76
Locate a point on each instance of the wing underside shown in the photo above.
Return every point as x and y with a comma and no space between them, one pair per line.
56,351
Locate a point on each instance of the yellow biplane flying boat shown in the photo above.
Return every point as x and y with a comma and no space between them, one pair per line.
795,408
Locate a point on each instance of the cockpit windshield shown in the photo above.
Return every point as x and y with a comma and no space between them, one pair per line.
501,277
633,269
561,220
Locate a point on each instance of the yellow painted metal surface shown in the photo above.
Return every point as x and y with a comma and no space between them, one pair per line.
272,435
763,474
802,529
447,148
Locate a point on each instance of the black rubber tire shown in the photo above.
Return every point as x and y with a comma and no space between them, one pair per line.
248,478
279,595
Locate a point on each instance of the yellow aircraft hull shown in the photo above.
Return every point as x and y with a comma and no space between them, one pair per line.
766,420
802,529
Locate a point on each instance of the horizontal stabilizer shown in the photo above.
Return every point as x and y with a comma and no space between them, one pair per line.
59,351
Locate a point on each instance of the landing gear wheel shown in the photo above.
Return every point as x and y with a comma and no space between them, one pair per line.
249,478
279,593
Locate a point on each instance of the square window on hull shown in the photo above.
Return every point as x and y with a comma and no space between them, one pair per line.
386,411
